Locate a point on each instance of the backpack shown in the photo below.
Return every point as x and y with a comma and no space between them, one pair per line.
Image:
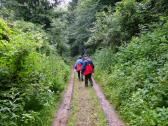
89,69
79,67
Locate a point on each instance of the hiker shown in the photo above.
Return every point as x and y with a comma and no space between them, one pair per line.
78,68
87,70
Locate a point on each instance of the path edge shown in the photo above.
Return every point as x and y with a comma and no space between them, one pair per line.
62,115
110,113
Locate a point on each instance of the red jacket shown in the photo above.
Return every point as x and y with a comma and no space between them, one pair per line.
79,67
88,67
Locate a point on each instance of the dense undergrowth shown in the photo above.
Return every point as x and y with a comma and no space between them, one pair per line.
32,75
135,79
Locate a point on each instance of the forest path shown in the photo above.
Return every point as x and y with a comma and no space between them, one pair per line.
86,109
85,106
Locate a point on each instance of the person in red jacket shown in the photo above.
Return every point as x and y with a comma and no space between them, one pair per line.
78,68
87,70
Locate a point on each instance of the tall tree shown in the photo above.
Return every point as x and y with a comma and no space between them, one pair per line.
36,11
84,16
79,28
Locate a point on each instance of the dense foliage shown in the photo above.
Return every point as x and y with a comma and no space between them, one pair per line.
57,33
83,17
36,11
135,78
103,23
48,14
32,75
131,60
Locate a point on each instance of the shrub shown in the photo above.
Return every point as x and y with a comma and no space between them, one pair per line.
135,78
32,75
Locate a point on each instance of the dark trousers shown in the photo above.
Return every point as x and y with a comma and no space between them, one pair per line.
88,78
80,76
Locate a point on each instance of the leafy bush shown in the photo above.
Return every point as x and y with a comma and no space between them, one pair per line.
117,25
135,78
32,75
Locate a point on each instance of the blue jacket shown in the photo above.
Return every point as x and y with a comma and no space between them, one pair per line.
79,61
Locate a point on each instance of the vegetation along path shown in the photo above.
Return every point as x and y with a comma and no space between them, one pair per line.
88,107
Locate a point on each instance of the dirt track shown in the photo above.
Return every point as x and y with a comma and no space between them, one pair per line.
88,107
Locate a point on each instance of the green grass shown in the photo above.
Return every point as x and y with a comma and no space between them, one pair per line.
48,114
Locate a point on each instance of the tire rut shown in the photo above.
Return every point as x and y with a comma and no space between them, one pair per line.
62,116
111,115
